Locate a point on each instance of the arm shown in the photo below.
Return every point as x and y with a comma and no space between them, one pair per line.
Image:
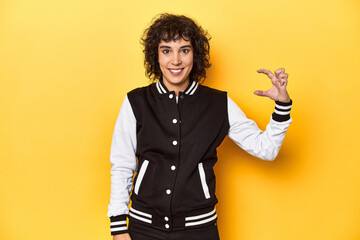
123,162
246,134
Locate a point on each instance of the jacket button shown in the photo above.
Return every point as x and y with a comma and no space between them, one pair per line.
173,167
166,218
174,142
182,97
167,225
174,121
168,191
171,95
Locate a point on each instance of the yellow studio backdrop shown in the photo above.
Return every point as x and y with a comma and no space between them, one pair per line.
65,67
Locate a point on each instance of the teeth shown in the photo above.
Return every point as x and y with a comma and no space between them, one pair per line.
175,71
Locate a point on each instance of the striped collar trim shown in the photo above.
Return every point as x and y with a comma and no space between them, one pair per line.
190,90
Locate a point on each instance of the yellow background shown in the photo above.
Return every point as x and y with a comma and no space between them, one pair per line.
65,67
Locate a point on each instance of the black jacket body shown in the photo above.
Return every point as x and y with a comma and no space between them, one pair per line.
174,187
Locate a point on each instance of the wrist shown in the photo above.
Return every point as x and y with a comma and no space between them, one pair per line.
282,111
284,99
284,102
118,224
123,236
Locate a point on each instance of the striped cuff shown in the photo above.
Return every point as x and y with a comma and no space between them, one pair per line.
282,111
118,224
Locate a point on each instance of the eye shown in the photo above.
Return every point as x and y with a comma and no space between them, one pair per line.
185,50
166,51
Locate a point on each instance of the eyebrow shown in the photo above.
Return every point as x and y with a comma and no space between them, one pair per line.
185,46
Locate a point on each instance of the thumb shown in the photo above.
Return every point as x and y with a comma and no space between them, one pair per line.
261,93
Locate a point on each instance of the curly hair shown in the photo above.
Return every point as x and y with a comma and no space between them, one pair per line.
169,27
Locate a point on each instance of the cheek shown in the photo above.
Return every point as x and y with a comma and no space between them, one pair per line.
163,68
190,61
161,59
161,63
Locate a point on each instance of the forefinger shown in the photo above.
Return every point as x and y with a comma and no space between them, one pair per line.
267,72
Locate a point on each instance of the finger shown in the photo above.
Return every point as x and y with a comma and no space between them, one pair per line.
278,71
283,75
283,78
283,83
268,73
261,93
286,81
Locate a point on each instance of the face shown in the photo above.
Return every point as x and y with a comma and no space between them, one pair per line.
176,61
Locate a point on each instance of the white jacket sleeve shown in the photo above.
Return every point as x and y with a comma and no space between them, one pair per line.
246,134
124,163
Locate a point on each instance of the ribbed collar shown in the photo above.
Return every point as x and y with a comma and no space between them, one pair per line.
190,90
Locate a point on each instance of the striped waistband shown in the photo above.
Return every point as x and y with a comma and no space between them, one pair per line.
169,223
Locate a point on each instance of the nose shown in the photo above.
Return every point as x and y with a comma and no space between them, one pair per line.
176,60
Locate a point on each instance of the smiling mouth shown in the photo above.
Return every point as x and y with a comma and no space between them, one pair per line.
176,71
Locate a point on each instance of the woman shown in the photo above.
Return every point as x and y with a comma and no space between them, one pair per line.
168,133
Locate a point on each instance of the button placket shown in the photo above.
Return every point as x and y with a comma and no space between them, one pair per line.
174,120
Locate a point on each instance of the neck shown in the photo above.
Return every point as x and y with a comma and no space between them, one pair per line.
177,87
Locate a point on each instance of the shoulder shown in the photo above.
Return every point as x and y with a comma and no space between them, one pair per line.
212,91
212,97
140,91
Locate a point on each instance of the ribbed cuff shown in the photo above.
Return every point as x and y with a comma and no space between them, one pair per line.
282,111
118,224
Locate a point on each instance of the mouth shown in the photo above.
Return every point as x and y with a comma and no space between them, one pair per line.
176,71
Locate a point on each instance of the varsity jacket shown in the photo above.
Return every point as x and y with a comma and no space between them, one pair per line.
170,142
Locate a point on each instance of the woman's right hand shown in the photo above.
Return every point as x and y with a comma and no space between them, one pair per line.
124,236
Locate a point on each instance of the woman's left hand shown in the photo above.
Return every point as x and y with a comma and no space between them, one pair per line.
278,90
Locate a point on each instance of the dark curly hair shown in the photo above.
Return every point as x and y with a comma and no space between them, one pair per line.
169,27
